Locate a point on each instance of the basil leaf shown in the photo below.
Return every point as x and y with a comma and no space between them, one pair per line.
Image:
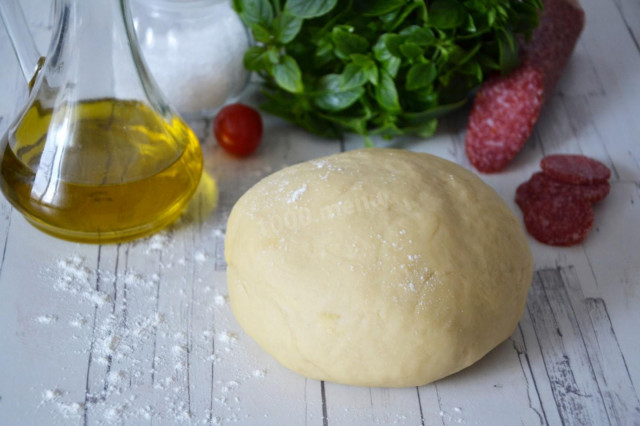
353,76
273,56
255,58
286,27
274,105
472,69
393,43
491,17
508,51
309,8
260,33
355,124
421,75
324,52
386,93
254,12
288,76
388,130
346,43
368,66
469,54
425,130
362,60
419,35
390,62
410,50
487,62
372,74
314,124
331,97
406,12
446,14
471,25
389,18
381,7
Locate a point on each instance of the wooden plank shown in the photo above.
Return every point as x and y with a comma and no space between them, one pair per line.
630,13
612,254
348,405
616,61
106,341
493,384
5,226
43,358
613,374
430,405
607,360
538,384
314,403
396,406
565,354
533,391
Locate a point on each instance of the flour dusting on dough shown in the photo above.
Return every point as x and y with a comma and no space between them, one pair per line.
295,195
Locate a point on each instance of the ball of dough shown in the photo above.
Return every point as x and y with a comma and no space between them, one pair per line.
376,267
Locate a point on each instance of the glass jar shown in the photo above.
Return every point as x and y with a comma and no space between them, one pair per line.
194,50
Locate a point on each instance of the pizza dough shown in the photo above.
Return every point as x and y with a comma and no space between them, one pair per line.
376,267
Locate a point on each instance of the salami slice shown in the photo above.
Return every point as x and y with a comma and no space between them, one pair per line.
540,185
559,221
506,108
575,169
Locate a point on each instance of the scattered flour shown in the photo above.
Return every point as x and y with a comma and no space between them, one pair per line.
159,242
77,279
78,321
140,363
200,256
115,413
51,395
47,319
70,410
226,337
220,299
451,418
259,373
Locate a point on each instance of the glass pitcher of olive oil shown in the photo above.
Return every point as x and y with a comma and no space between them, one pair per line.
96,155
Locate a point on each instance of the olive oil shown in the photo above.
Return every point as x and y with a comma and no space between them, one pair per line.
100,171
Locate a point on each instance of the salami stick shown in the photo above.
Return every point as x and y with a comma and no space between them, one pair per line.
506,108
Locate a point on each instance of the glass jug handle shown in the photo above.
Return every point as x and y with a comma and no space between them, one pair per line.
21,39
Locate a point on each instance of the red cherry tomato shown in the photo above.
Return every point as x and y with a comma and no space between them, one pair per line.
238,129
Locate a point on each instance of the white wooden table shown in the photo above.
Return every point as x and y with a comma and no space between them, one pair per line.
142,332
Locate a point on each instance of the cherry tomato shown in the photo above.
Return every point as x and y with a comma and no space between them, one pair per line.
238,129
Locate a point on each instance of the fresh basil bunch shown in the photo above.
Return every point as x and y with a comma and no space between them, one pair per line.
386,67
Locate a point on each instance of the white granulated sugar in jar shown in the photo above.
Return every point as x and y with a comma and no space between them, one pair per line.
194,52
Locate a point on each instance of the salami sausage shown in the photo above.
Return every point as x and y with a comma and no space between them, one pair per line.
507,107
